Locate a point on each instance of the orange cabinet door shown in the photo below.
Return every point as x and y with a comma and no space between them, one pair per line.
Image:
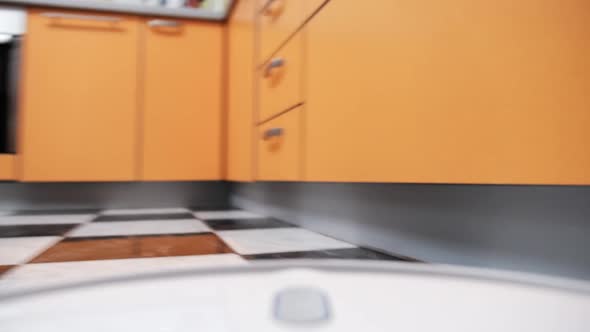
456,91
7,169
281,79
181,97
241,67
280,148
79,97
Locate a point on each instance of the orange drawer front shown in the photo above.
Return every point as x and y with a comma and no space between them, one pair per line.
281,18
280,86
278,20
310,6
7,167
279,148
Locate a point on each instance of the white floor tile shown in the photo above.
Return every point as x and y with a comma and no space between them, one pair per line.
261,241
19,250
229,214
51,274
46,219
144,211
113,228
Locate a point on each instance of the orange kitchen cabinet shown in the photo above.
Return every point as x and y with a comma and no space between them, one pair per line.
241,76
280,148
455,91
181,100
7,167
281,79
278,19
79,103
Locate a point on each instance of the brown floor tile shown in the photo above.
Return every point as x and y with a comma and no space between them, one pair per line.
88,250
4,268
133,247
169,245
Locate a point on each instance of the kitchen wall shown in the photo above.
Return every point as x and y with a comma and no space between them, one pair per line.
44,196
543,229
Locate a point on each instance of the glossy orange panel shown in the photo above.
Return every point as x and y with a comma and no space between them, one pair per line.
79,98
280,87
455,91
310,6
241,71
278,20
279,154
7,167
181,99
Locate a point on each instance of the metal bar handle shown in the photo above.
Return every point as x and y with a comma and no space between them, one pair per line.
163,23
100,18
274,63
273,132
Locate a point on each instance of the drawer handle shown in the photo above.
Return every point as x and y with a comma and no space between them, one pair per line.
99,18
273,132
274,63
274,8
163,23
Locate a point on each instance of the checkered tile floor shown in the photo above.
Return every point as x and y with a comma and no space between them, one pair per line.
43,248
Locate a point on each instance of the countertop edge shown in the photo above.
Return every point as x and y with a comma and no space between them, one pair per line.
196,13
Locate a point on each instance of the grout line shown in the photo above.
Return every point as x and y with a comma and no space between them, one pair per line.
38,254
66,234
133,236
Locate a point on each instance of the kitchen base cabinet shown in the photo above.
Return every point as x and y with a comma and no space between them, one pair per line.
181,100
240,113
79,97
453,91
280,148
280,79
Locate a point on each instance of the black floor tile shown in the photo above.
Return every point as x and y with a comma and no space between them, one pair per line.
219,207
254,223
349,253
144,217
35,230
54,212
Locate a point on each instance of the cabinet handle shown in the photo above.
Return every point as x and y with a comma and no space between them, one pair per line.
163,23
274,63
272,132
67,16
271,9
